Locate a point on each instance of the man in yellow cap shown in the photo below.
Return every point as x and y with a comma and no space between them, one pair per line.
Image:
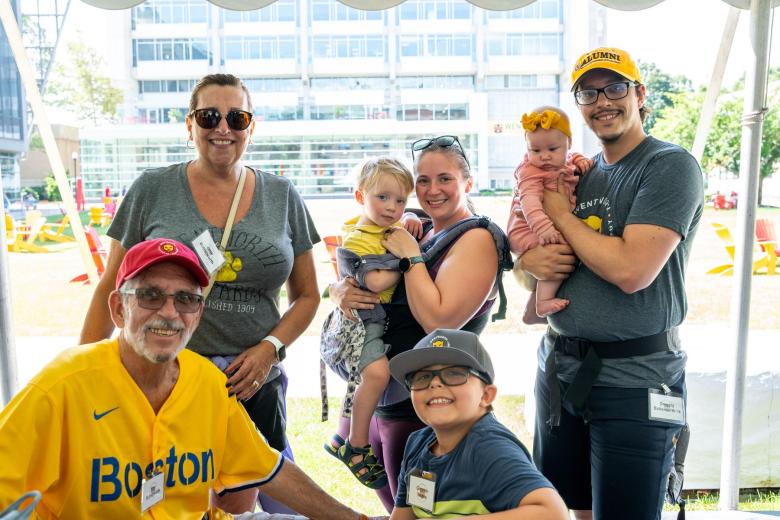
611,386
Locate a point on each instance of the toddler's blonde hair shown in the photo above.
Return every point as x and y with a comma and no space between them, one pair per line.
375,167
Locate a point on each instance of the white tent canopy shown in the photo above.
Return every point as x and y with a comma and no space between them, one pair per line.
754,110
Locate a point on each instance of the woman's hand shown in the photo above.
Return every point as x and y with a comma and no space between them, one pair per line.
400,243
550,262
248,371
348,295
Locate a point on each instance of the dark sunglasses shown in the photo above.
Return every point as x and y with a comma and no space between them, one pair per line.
209,118
443,141
154,299
450,376
613,91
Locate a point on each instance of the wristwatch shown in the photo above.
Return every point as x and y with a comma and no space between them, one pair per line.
281,348
404,264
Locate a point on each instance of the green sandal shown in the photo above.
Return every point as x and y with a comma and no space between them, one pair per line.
334,450
375,476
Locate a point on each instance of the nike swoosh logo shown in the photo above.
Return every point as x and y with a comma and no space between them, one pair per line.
99,416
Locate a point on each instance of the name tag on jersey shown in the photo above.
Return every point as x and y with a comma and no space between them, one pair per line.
208,252
421,490
665,407
152,491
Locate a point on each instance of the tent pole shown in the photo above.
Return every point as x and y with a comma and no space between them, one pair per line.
750,153
713,90
8,376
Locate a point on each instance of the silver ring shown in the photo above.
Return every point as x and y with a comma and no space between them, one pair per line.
255,384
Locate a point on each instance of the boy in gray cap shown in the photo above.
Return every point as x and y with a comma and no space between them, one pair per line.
465,462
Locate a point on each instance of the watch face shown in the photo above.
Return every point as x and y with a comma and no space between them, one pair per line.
281,353
404,264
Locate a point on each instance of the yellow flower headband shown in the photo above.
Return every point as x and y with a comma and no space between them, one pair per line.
547,119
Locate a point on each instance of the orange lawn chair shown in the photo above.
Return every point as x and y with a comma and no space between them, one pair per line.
99,255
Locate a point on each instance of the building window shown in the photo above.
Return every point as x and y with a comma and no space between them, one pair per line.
438,112
524,44
278,113
521,82
434,10
349,112
166,85
259,47
538,9
161,115
279,11
358,46
170,11
352,83
435,45
177,49
436,82
272,84
332,10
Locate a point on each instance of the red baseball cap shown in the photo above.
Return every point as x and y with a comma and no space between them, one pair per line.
150,252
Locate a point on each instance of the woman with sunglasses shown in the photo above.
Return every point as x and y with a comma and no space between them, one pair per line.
455,292
270,245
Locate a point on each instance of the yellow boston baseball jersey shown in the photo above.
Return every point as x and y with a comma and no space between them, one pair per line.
84,435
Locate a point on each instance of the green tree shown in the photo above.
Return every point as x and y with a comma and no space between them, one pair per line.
81,88
661,87
677,124
51,188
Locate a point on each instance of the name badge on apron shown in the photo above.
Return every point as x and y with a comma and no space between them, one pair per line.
152,491
208,252
421,490
665,406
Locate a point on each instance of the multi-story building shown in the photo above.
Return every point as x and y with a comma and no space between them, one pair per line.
331,84
13,119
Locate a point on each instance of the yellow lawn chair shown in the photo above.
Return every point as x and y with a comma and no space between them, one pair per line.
54,231
26,235
761,261
10,232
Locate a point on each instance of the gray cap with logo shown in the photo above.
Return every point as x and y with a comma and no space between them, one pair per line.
444,347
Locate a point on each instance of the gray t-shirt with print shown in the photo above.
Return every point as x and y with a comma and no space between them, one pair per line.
657,183
243,305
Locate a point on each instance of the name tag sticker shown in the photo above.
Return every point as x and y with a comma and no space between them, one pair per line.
665,407
421,490
208,252
152,491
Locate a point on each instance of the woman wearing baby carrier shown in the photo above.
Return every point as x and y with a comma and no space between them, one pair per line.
454,289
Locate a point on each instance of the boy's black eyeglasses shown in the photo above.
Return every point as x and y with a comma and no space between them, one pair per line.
154,299
450,376
209,118
612,91
443,141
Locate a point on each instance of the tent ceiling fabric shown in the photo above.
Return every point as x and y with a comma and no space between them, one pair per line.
375,5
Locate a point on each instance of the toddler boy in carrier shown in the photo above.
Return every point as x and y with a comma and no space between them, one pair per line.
383,187
548,140
465,462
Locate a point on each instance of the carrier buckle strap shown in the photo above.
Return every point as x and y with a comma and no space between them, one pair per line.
590,353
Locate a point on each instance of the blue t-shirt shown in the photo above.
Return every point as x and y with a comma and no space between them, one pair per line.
488,471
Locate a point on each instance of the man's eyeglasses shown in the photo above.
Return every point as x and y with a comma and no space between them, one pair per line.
209,118
154,299
450,376
443,141
613,91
